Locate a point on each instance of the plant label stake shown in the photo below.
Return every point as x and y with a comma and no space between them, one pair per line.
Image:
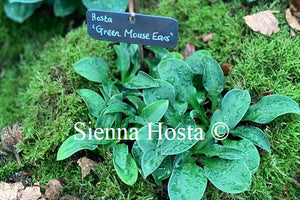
137,29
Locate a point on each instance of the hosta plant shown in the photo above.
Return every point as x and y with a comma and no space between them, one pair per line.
175,122
20,10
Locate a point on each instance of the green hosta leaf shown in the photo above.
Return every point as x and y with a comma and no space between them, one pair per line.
24,1
195,61
231,176
164,91
151,160
163,171
93,100
76,143
184,139
155,111
120,153
19,12
64,7
92,68
106,120
187,182
182,158
179,74
116,105
137,102
270,107
158,51
234,106
141,81
124,164
173,55
254,135
213,77
224,152
137,154
116,5
123,61
249,153
148,139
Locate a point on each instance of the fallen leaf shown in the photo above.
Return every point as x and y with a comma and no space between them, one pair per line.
189,50
9,191
207,37
263,22
32,193
292,20
54,190
226,68
69,198
86,166
266,92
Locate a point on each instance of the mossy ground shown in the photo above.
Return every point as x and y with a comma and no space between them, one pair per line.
40,94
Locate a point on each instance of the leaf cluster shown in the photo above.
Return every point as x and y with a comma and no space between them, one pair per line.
20,10
176,97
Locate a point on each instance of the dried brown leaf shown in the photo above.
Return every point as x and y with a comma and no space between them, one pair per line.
293,34
266,92
32,193
86,166
54,190
297,2
226,68
10,191
69,198
207,37
292,20
263,22
189,50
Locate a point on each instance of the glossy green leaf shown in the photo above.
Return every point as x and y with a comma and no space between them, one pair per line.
116,105
93,100
187,182
141,81
78,142
106,120
231,176
270,107
224,152
182,158
195,61
179,74
64,7
19,12
151,160
173,55
128,174
134,53
254,135
249,153
137,102
159,52
123,61
155,111
234,106
213,77
148,137
120,153
164,91
116,5
163,171
137,154
180,139
92,68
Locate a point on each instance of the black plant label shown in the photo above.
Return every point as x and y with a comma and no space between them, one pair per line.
140,29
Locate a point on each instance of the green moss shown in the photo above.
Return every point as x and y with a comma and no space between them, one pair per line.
36,31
